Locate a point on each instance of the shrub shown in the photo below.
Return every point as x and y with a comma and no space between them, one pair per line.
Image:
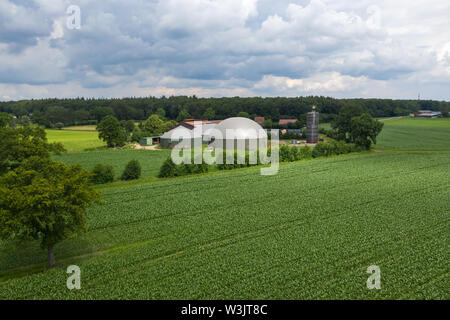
305,153
284,153
168,169
322,150
132,171
102,173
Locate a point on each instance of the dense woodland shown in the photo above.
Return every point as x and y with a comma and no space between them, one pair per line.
49,112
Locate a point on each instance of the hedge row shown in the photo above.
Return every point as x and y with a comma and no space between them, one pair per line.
287,154
170,169
334,148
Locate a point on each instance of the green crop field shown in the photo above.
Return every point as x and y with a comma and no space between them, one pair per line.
75,140
309,232
415,134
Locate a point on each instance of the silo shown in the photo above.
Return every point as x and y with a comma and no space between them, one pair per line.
312,126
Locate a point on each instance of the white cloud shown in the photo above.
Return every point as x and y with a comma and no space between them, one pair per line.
214,47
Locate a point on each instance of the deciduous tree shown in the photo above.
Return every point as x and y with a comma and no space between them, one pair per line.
18,144
110,131
364,130
45,200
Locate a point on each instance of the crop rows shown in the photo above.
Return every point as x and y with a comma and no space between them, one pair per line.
309,232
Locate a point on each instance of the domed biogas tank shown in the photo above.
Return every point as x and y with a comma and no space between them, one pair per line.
239,130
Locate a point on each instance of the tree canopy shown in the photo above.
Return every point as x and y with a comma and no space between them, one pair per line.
91,111
18,144
110,131
354,124
364,130
45,200
342,122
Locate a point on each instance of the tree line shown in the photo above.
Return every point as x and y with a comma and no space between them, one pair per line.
64,112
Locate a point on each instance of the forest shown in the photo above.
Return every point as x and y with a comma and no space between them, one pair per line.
80,111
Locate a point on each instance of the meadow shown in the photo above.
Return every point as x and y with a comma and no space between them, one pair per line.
415,134
309,232
150,161
75,140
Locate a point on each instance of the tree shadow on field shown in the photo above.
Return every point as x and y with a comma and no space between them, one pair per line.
22,258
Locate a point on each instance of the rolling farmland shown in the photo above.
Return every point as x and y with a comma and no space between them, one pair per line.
415,134
75,140
309,232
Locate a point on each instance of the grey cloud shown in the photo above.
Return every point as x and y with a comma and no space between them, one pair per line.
211,44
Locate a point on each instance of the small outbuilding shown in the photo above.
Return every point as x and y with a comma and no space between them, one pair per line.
148,141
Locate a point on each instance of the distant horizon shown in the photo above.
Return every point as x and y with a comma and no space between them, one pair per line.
218,97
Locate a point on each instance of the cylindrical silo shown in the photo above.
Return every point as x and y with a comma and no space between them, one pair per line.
312,126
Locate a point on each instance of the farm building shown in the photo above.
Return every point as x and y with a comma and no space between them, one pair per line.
286,121
246,131
148,141
185,130
259,120
427,114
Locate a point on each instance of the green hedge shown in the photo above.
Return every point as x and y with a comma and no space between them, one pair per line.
333,148
170,169
102,173
287,154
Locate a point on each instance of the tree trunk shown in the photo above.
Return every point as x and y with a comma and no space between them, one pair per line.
51,256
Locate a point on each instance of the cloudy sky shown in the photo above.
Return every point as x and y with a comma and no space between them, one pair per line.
339,48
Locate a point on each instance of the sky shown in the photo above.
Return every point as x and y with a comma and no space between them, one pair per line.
225,48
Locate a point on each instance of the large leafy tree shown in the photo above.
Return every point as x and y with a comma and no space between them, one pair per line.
18,144
342,122
153,125
45,200
364,130
110,131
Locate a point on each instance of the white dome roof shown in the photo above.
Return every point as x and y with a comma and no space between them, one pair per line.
243,128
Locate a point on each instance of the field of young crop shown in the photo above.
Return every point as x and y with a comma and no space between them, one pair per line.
415,134
150,160
75,140
309,232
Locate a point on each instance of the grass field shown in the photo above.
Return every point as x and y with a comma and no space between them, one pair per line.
150,161
309,232
81,128
75,140
415,134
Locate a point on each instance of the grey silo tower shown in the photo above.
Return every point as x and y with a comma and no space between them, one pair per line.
312,126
